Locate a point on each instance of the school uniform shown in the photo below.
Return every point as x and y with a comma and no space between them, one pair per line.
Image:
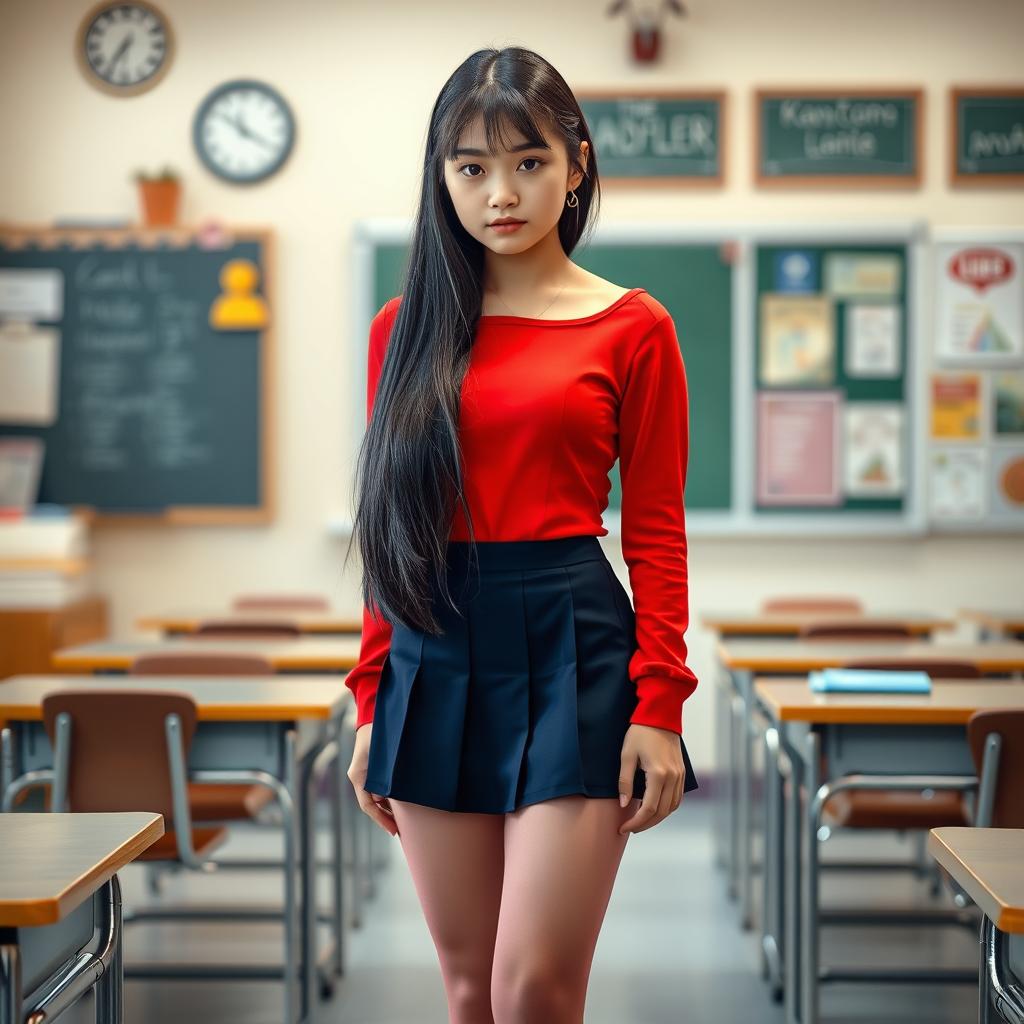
544,665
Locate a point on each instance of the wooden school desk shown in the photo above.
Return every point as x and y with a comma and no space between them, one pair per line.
789,624
869,741
187,620
302,654
988,863
997,625
741,659
58,882
264,730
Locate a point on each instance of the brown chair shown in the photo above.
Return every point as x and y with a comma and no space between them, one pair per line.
996,739
854,632
902,809
240,629
281,603
125,750
212,801
828,605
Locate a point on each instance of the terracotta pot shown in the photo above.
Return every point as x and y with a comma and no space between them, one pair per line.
160,200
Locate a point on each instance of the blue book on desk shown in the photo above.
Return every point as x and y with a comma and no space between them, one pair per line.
869,680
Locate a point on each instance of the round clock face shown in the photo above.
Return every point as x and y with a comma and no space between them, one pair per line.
125,48
244,131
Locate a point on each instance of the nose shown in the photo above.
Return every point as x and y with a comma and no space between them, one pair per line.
502,195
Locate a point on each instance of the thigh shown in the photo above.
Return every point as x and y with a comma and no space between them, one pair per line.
561,859
456,861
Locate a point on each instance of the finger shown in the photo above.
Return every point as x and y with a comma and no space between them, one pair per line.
382,803
649,807
663,807
627,772
370,808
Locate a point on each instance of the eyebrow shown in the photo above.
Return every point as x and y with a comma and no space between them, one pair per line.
514,149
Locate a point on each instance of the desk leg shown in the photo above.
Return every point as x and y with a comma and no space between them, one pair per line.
735,714
746,771
10,978
809,895
984,986
338,825
110,986
773,878
722,757
291,818
791,889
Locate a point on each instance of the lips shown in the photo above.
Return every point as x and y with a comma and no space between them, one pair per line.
506,220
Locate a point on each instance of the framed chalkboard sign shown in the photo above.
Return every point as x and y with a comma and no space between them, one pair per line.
142,359
657,137
987,129
847,138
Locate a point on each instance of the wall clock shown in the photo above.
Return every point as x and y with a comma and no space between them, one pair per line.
244,131
124,48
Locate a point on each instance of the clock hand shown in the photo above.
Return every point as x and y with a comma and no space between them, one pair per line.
121,51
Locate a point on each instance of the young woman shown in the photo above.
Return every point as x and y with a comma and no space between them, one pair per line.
517,717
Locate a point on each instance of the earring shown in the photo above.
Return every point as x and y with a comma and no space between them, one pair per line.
570,202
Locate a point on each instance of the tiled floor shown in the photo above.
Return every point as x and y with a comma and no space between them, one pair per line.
670,952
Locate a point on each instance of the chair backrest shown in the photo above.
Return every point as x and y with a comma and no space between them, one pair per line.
118,751
1008,805
854,631
828,605
281,602
240,629
938,669
216,663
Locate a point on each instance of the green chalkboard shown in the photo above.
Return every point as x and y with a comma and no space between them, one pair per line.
694,282
160,415
857,136
988,129
657,135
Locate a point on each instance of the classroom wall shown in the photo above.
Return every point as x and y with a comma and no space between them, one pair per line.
361,78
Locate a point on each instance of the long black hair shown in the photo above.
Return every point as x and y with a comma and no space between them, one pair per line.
408,473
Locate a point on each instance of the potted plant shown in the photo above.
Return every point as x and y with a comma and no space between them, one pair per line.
160,196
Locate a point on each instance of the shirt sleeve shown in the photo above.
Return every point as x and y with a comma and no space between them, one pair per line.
363,678
653,452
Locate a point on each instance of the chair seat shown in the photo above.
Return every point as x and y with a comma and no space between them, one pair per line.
899,808
211,801
204,841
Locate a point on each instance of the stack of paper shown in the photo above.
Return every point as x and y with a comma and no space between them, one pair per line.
44,561
869,680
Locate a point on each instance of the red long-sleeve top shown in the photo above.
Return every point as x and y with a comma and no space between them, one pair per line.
547,406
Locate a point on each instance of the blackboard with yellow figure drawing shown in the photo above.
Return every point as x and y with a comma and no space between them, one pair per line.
164,392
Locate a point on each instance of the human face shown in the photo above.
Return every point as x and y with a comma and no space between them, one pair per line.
527,181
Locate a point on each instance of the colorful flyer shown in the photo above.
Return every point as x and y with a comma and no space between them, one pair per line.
1008,403
873,465
851,275
798,448
1006,483
872,341
956,406
797,340
957,483
980,304
796,271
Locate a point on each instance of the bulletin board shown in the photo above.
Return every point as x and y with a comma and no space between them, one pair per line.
975,453
140,358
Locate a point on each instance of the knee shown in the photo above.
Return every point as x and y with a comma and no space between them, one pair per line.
537,992
469,1000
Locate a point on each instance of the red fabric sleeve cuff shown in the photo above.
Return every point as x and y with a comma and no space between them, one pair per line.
660,703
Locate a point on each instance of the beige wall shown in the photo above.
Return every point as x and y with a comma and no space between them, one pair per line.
361,78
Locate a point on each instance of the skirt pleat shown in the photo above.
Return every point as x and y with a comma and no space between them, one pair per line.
526,694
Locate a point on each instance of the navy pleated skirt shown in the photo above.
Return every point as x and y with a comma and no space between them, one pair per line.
526,695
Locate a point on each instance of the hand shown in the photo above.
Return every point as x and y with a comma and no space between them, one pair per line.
661,757
380,811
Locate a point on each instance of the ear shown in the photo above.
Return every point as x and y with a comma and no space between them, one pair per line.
576,177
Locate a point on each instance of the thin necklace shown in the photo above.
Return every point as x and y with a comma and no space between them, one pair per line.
544,310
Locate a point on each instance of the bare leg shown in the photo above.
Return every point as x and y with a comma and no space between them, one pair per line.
561,858
456,861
